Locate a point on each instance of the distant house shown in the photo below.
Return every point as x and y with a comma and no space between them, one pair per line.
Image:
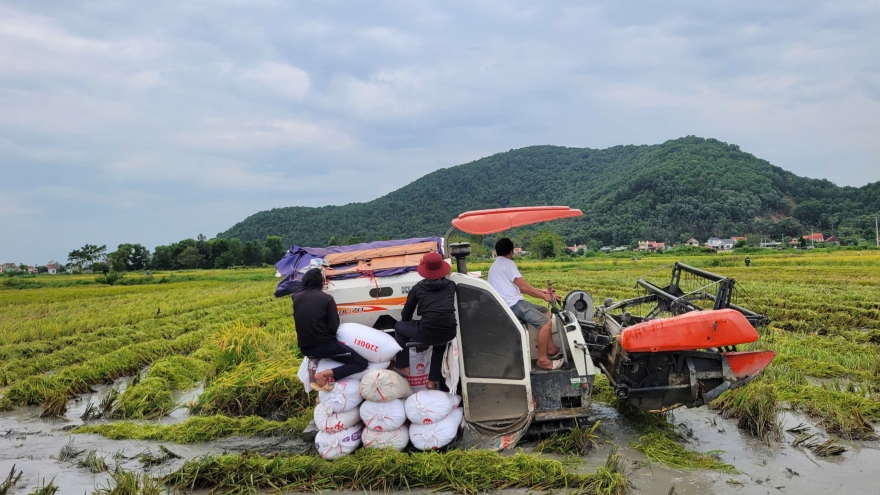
795,242
693,242
651,246
814,237
52,269
737,239
605,249
720,244
9,267
32,269
771,244
574,249
619,249
832,241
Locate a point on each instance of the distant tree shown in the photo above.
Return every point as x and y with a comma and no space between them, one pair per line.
86,256
42,269
163,258
253,253
275,249
218,248
740,244
546,244
236,252
100,267
190,259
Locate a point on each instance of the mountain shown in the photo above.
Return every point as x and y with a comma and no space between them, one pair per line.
687,187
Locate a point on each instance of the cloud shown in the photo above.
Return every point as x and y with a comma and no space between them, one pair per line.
215,110
283,79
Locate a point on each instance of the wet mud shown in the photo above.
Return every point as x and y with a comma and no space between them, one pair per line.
33,446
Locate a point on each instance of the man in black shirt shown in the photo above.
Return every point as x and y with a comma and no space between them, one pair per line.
435,299
316,320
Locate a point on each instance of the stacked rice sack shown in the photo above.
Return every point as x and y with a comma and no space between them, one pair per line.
435,418
372,408
337,416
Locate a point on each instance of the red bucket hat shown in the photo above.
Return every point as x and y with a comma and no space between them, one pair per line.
432,266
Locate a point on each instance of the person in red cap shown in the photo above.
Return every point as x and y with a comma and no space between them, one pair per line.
434,297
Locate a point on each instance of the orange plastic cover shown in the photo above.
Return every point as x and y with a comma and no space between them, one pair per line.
748,364
694,330
483,222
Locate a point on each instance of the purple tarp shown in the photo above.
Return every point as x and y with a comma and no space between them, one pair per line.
300,257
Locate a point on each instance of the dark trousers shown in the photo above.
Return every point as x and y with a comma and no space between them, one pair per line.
351,364
406,331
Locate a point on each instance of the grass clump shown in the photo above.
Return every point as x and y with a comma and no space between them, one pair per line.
10,481
660,447
50,489
267,389
578,441
180,372
129,483
68,451
755,408
465,472
151,398
93,462
201,429
148,459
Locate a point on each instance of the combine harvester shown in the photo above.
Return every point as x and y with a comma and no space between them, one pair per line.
681,349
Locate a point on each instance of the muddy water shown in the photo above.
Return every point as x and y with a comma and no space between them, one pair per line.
33,445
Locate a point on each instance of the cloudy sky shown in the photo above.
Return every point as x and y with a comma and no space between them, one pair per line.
150,122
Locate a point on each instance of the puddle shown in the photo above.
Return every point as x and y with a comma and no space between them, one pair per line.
33,445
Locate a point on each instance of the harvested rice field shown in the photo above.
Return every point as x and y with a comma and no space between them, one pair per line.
187,382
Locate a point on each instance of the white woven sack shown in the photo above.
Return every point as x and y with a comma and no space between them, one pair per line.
373,345
384,386
329,364
430,406
345,396
419,367
331,422
383,416
303,374
395,439
335,445
436,435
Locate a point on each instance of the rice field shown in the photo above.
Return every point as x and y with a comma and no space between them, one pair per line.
224,332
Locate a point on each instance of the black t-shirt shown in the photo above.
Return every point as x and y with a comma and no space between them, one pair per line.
315,316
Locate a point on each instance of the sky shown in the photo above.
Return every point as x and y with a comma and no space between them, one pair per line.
152,122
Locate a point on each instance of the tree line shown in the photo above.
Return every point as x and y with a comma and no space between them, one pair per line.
186,254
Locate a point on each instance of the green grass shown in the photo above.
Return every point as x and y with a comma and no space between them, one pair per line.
465,472
201,429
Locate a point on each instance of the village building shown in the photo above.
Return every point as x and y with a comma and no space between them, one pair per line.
693,242
832,241
651,246
52,269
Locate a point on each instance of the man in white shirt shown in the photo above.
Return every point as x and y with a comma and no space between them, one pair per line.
505,278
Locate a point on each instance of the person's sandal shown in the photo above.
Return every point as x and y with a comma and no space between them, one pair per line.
326,388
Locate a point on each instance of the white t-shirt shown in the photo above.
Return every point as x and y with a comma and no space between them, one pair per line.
501,275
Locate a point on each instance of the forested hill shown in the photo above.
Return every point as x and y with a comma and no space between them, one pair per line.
688,187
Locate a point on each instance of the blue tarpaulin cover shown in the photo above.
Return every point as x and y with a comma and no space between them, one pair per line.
298,258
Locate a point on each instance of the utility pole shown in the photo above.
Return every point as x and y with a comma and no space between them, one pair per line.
876,232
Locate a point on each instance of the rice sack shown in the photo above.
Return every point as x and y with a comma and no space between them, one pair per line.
384,386
383,416
430,406
345,396
330,421
373,345
334,445
394,439
436,435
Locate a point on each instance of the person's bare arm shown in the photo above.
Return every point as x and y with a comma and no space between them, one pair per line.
526,288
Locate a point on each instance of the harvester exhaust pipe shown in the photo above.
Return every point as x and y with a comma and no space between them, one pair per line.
460,251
